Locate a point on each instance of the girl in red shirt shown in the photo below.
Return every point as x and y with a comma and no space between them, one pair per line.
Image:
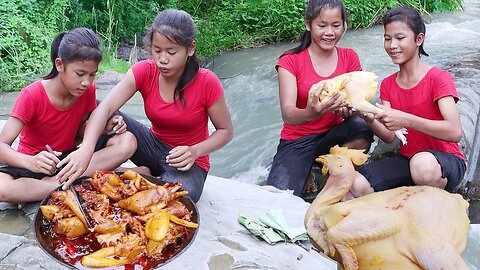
312,127
422,99
179,99
52,112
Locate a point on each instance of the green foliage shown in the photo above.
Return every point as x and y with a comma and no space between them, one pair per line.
113,19
225,25
27,27
366,13
111,63
26,31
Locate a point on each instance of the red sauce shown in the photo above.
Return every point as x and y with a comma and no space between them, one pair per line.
71,250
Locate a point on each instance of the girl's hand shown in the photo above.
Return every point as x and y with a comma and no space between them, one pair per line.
344,112
392,119
115,125
181,157
75,165
368,117
315,106
44,162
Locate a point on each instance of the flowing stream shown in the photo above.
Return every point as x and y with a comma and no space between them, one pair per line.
251,91
251,87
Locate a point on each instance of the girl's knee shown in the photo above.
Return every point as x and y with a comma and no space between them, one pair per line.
360,186
425,170
125,142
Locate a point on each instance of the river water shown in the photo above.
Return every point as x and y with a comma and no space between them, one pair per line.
251,87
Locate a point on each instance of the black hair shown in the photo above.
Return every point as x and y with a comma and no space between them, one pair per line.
313,9
77,44
178,27
411,18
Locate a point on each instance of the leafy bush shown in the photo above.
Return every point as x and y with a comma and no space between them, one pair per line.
27,27
363,14
26,30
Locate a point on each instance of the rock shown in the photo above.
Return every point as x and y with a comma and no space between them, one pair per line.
221,241
108,79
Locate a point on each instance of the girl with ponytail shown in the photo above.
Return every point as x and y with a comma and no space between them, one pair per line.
311,127
49,114
179,99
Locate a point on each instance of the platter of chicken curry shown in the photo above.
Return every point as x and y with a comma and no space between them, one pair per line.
139,222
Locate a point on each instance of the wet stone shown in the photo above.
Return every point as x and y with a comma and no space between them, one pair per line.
222,261
14,221
8,243
231,244
31,257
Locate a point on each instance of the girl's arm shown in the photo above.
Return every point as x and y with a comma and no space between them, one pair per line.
288,101
77,162
377,127
81,129
43,162
183,157
448,129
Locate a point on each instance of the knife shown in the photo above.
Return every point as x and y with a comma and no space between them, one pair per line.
80,201
50,150
81,204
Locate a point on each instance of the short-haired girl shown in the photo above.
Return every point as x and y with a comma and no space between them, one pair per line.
421,98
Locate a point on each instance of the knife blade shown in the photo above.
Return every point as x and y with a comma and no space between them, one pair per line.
50,150
81,204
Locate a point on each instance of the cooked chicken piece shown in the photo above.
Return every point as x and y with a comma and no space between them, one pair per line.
175,208
96,201
109,239
178,209
56,206
71,227
130,244
106,224
155,248
142,202
138,181
68,198
133,224
108,183
54,213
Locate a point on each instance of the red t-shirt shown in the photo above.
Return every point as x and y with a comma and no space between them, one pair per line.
173,123
300,65
44,123
421,100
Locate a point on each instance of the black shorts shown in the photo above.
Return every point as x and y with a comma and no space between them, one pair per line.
152,153
393,172
294,158
16,172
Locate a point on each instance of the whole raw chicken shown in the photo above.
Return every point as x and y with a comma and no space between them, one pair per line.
358,88
417,227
